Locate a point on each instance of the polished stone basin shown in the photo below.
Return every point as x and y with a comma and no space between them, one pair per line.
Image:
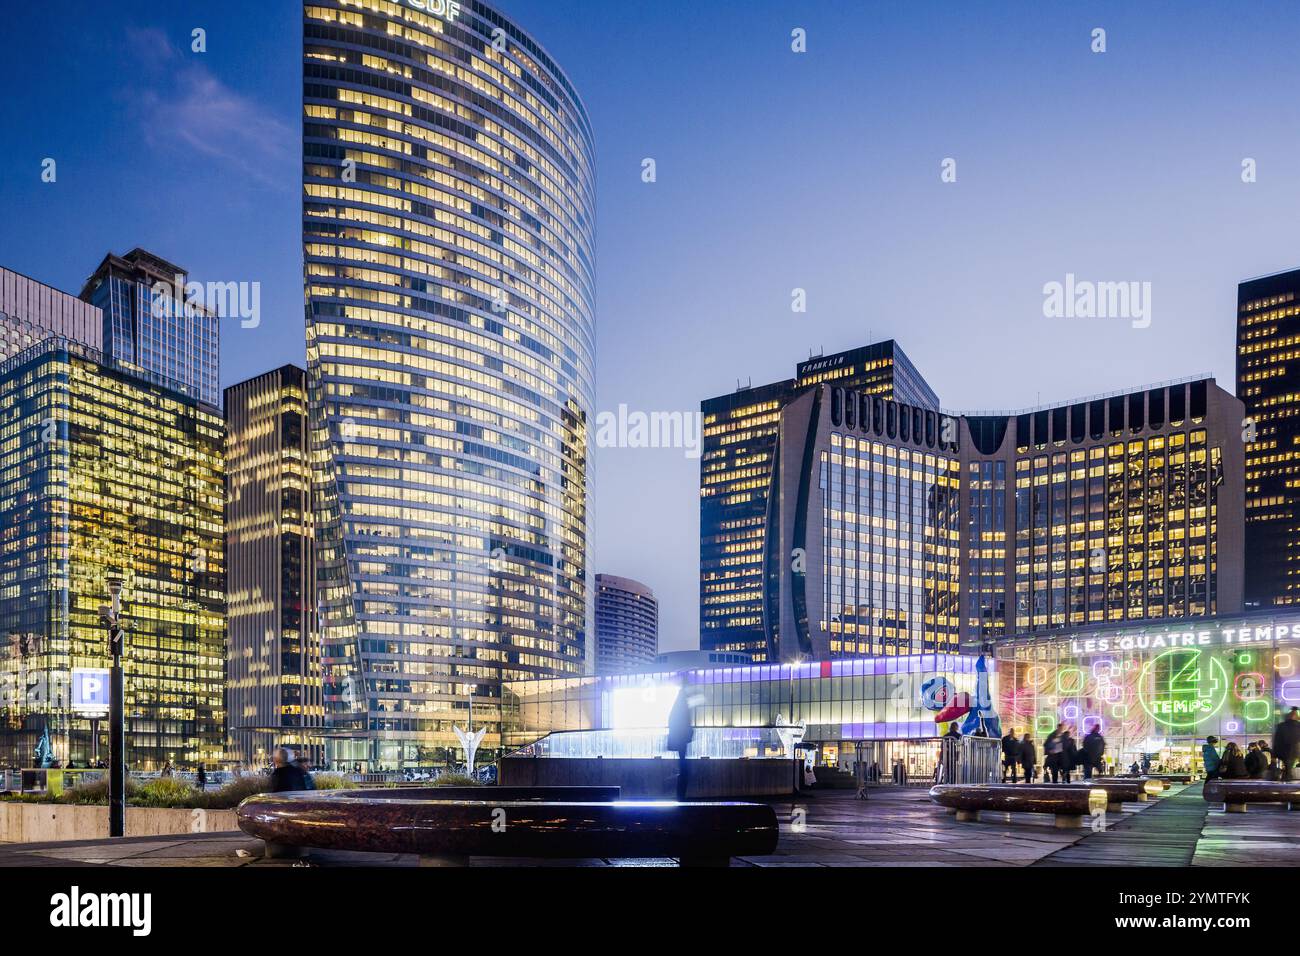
439,825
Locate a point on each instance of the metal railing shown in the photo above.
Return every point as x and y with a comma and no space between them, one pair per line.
969,760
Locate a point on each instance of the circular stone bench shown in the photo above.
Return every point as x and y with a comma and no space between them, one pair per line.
1235,794
1123,790
1172,777
1070,803
445,828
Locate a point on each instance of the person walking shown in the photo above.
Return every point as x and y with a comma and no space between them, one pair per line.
201,778
1028,758
1094,746
1286,743
681,731
1052,754
1210,757
1069,754
1010,756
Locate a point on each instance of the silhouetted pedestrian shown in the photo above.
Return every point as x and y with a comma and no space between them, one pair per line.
681,731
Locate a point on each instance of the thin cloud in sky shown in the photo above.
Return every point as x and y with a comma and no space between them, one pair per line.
182,104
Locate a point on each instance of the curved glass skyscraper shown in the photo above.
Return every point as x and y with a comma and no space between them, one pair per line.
448,228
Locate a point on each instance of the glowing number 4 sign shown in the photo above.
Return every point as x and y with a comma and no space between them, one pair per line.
1194,690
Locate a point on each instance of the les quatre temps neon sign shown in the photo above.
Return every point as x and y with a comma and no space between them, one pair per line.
1183,687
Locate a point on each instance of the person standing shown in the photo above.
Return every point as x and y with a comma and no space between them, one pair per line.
1286,743
1010,756
1210,757
1094,746
1028,758
201,778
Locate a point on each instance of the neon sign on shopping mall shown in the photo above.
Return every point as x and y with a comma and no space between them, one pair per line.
1183,687
1240,635
447,9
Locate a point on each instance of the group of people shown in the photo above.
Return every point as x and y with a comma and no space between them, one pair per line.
1260,760
1062,755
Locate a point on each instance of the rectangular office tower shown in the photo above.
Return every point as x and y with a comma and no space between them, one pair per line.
104,473
896,529
32,311
740,432
1268,382
151,325
273,695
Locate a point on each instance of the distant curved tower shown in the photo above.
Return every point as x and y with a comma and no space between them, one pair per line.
627,625
448,236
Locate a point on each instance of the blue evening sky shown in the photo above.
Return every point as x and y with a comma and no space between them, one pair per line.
776,171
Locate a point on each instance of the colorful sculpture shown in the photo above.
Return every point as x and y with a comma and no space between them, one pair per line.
939,694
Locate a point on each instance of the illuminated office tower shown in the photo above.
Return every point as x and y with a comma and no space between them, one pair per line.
32,311
916,531
103,472
273,677
149,330
740,432
627,625
448,230
1268,382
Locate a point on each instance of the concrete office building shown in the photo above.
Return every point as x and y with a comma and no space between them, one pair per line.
900,530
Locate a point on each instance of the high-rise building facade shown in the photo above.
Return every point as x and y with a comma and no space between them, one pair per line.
448,231
151,326
1268,382
273,678
32,311
736,467
104,473
900,530
627,625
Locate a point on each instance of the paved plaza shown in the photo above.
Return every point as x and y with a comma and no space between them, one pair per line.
833,829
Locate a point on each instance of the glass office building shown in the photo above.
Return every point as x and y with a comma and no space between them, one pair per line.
1268,382
104,472
149,328
32,311
448,234
736,468
274,672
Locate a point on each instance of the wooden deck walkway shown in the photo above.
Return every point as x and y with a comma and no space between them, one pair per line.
1162,835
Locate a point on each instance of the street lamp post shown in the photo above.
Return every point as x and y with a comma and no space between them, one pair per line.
111,617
